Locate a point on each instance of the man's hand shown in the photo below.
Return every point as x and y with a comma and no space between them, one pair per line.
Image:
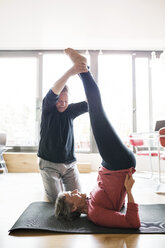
79,68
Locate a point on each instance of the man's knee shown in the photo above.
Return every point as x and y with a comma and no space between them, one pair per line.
51,198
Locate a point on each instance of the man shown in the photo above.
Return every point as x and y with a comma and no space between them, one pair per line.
114,180
56,147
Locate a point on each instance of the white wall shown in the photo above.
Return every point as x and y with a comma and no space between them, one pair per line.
92,24
93,158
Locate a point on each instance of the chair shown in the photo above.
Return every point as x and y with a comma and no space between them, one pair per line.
138,143
161,155
3,148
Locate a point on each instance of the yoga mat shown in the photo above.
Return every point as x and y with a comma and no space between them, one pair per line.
40,216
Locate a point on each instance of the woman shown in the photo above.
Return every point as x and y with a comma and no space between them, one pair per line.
115,179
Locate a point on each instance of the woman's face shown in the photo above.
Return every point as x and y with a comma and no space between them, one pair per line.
75,198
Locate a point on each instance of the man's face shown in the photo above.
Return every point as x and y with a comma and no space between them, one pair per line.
62,102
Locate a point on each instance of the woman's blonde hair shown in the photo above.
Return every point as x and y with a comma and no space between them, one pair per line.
63,209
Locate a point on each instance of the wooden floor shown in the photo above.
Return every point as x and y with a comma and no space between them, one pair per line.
18,190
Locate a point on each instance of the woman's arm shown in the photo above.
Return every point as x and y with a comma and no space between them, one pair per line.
111,218
129,182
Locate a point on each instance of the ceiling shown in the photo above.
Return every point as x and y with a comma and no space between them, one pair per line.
87,24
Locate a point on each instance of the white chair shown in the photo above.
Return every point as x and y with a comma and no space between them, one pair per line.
141,144
3,148
160,189
161,155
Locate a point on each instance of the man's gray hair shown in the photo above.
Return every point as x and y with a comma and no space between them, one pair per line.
65,89
63,209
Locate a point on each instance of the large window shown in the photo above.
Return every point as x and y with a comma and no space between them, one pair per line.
142,94
158,90
18,100
132,93
115,82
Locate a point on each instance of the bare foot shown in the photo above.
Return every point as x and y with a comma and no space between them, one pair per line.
75,56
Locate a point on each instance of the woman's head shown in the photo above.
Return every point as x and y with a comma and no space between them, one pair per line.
69,204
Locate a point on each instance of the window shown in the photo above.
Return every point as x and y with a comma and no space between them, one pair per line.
18,100
115,83
142,94
158,89
124,81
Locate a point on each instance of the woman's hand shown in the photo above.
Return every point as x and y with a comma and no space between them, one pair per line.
129,182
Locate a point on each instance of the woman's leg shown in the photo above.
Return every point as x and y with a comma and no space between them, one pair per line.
114,153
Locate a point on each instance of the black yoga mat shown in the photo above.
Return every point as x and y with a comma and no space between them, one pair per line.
40,216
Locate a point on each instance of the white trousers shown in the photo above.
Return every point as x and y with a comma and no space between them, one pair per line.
58,177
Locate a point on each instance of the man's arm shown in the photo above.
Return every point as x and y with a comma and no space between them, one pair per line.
77,109
60,83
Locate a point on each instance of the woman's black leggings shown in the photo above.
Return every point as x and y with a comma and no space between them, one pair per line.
115,155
